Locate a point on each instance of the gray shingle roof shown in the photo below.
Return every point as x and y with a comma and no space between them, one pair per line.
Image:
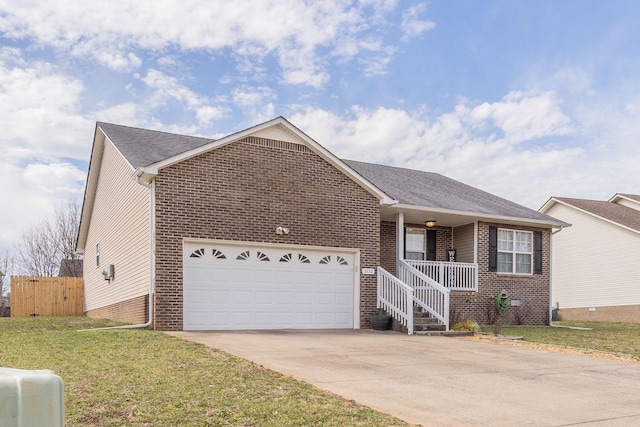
432,190
622,215
142,147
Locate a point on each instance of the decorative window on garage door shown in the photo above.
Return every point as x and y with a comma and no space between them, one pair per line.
338,260
302,259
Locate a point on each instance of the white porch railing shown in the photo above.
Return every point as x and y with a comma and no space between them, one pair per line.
455,276
396,298
427,293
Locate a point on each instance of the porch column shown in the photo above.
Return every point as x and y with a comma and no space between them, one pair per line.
399,240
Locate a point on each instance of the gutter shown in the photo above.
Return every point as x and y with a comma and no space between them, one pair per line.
150,185
562,227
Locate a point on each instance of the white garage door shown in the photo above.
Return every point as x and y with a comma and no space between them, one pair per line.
249,286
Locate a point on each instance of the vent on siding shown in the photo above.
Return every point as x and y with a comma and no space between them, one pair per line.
272,143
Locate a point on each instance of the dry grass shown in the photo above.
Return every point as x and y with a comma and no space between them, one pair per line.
602,339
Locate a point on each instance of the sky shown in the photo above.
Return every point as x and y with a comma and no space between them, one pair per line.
524,99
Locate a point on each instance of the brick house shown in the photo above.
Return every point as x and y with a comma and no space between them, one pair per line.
266,229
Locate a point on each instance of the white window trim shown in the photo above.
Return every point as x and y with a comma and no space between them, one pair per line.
514,252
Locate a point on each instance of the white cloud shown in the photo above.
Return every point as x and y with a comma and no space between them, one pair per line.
482,145
55,178
412,25
39,113
167,89
524,117
292,31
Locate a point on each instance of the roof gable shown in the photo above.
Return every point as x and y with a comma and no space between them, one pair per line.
623,216
630,200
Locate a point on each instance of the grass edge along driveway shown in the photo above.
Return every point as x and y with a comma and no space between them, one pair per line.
140,377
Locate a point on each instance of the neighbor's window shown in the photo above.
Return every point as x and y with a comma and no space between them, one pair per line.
515,251
97,254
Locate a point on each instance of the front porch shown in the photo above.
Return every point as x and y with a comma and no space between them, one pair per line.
420,296
422,262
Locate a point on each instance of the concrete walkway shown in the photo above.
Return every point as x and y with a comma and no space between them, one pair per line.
443,381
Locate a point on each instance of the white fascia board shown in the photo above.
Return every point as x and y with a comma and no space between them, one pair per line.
91,186
152,169
619,196
487,217
598,216
544,208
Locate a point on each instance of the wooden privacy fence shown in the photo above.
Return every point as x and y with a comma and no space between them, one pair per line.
46,296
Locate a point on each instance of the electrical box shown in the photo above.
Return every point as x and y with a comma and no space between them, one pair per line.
31,398
109,272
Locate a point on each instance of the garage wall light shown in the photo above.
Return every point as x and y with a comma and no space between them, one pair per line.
282,230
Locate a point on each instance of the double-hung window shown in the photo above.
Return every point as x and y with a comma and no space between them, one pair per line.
515,251
415,246
420,244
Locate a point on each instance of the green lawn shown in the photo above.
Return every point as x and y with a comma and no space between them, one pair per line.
610,337
146,378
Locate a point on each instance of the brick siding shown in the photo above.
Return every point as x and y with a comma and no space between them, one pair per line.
531,290
388,246
134,310
242,192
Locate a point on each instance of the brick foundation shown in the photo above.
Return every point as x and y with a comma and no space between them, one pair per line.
622,313
134,311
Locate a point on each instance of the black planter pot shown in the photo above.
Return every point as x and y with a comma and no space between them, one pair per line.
380,322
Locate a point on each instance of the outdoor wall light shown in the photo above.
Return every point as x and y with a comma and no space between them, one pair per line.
431,223
282,230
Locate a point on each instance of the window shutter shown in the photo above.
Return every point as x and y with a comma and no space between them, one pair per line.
431,245
537,252
404,241
493,248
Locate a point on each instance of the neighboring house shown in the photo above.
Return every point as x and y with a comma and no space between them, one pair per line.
70,268
596,262
266,229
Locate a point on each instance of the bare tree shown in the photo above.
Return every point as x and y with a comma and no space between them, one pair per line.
43,246
6,268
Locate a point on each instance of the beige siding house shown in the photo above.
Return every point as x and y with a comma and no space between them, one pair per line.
595,262
266,229
118,210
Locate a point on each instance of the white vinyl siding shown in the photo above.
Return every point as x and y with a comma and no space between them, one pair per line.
594,262
463,243
120,225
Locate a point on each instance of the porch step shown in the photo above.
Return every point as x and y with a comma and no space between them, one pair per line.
423,322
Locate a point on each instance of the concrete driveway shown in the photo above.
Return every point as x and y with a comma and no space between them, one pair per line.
443,381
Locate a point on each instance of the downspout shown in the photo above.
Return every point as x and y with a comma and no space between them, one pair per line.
150,185
550,274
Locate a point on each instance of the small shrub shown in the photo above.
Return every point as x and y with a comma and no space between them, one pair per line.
465,325
521,313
